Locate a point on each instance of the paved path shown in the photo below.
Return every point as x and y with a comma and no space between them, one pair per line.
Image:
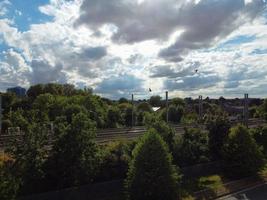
254,193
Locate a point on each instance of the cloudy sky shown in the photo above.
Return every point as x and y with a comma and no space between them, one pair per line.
119,47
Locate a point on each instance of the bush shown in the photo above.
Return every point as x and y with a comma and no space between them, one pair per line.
115,160
241,154
9,184
191,148
151,174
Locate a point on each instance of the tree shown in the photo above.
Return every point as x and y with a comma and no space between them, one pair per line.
75,155
144,107
123,100
128,116
155,101
151,174
113,117
165,131
260,135
178,102
175,113
192,148
35,90
241,156
29,157
218,131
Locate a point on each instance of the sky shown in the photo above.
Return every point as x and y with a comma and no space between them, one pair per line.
118,47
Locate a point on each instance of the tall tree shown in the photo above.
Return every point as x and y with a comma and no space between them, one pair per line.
242,156
151,174
218,132
75,155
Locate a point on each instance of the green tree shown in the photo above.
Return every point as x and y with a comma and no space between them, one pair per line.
75,156
192,148
29,157
151,174
166,132
218,131
260,135
35,90
175,113
155,101
123,100
144,107
242,155
114,117
128,116
178,102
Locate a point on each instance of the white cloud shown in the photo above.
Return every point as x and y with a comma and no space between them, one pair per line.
117,51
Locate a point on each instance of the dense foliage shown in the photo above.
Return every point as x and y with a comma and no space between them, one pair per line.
241,156
152,177
192,148
75,156
218,131
59,149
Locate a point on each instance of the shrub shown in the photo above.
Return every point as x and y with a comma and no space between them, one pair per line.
115,160
241,154
151,174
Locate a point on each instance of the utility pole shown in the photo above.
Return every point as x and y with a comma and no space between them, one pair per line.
245,111
200,108
132,110
167,108
0,114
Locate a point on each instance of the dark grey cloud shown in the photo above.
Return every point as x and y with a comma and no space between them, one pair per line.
192,82
118,86
204,23
43,72
93,53
135,21
208,22
175,71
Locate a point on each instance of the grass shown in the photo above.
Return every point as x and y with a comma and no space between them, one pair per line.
211,182
263,173
4,157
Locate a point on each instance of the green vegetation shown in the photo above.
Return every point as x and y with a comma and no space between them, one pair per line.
71,157
191,148
152,177
241,155
75,156
218,132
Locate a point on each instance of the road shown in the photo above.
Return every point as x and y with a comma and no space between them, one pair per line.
254,193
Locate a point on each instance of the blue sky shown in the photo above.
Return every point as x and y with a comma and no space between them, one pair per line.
104,44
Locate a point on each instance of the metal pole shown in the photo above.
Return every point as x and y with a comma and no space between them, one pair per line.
167,108
132,110
200,107
245,112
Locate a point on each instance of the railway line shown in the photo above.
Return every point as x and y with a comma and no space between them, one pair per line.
113,134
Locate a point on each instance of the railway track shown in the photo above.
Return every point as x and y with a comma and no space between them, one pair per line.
108,135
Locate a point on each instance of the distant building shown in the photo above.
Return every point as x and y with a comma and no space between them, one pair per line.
19,91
